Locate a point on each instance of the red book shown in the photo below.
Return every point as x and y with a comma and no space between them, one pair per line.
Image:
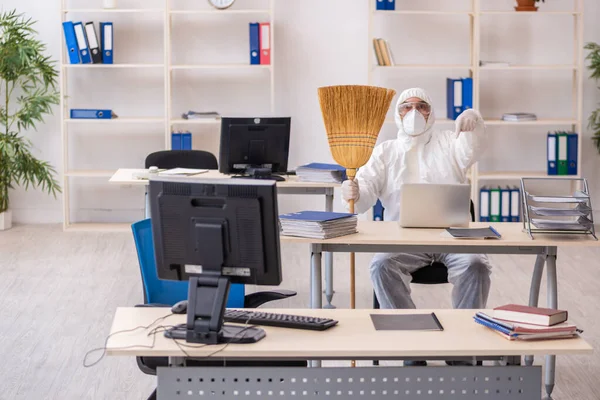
530,315
265,43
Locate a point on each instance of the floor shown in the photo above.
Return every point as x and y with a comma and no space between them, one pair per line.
59,292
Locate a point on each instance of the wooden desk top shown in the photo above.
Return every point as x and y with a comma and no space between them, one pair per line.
390,233
124,176
353,338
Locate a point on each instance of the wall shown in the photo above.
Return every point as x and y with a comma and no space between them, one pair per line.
316,43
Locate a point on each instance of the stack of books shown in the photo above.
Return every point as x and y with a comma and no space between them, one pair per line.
317,224
318,172
519,117
383,53
516,322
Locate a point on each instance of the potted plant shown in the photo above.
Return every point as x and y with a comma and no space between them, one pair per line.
27,93
594,66
527,5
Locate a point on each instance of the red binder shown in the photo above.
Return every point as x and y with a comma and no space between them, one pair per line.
265,43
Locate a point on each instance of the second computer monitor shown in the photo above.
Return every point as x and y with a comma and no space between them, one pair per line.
254,143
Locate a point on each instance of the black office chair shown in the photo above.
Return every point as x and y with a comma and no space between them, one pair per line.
168,159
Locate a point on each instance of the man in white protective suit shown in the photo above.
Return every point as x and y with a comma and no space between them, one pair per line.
421,154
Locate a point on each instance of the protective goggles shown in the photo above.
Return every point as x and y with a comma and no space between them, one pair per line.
420,106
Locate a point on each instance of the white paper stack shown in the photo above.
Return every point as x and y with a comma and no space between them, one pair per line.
318,172
317,224
519,117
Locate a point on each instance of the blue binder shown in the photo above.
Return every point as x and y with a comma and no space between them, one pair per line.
71,42
381,5
467,93
552,150
254,43
378,211
186,141
505,205
515,205
572,153
85,113
484,204
391,5
176,141
454,101
82,43
106,41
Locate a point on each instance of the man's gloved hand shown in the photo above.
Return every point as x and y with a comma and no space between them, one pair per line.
467,121
350,190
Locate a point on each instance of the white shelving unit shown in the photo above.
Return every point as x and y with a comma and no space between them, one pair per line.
168,121
473,17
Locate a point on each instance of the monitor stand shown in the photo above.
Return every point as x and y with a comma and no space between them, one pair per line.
207,299
260,173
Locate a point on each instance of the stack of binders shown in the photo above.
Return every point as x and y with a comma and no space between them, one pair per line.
459,96
562,153
83,45
317,224
318,172
260,43
181,140
500,205
383,5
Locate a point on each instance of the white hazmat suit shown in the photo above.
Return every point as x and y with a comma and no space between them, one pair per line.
421,154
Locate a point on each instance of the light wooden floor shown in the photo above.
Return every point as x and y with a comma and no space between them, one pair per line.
58,293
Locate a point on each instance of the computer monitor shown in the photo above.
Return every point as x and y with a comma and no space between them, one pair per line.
255,147
214,232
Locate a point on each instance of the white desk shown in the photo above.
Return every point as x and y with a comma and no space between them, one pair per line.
354,338
124,176
389,237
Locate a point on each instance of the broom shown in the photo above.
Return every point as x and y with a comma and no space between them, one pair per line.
353,116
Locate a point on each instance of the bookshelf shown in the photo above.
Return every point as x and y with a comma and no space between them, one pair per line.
161,123
476,18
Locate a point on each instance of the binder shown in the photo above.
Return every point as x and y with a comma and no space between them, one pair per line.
254,44
82,44
186,141
381,5
378,211
391,5
484,204
453,97
90,33
572,153
515,205
495,202
106,41
265,43
467,93
176,141
378,54
71,42
562,165
505,205
86,113
552,151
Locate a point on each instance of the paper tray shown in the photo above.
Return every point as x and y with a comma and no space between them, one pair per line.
578,197
561,212
567,225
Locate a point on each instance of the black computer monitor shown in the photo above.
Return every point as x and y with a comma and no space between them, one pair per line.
214,232
255,147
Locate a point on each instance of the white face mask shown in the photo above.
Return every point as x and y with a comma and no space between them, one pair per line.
414,123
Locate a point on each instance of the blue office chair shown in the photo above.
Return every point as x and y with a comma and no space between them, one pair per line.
165,293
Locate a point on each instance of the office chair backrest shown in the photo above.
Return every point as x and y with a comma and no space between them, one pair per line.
159,291
168,159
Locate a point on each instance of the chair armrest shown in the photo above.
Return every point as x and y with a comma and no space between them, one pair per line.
254,300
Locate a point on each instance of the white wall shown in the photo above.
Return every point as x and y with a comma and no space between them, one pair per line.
316,43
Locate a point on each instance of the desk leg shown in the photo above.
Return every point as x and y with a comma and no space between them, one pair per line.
329,256
315,277
147,203
534,291
552,303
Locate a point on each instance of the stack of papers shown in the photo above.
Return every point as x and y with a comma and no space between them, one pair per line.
317,224
318,172
474,233
518,117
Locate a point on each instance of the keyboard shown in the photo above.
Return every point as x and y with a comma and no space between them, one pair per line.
279,320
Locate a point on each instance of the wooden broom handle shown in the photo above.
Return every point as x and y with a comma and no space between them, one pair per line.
352,259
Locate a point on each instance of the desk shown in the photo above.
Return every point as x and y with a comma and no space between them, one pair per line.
124,176
389,237
353,338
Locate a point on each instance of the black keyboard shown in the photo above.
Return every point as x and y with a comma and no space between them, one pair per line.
279,320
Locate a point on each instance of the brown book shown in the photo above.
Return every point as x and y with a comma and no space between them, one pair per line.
384,52
377,52
530,315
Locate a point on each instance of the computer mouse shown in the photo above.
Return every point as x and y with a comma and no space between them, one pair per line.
180,307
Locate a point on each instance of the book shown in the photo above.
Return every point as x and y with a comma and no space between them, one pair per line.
521,328
321,172
474,233
530,315
511,335
317,224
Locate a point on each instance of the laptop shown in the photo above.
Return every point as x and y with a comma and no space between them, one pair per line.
433,205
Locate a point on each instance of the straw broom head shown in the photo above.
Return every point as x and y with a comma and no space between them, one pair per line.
353,116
